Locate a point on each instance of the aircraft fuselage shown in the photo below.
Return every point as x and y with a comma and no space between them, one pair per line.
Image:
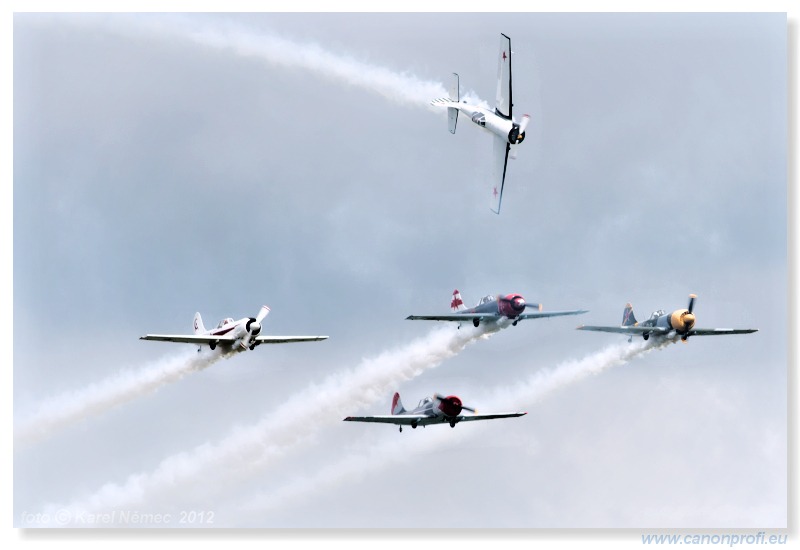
509,306
448,407
493,122
243,330
680,320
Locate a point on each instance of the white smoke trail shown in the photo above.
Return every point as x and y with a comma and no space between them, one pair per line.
226,35
393,450
60,411
212,467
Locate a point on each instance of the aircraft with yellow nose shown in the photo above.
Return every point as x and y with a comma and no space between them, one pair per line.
679,323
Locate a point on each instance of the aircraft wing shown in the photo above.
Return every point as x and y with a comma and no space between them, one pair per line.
501,149
399,419
465,418
187,338
458,317
504,104
627,330
539,314
424,420
288,339
720,331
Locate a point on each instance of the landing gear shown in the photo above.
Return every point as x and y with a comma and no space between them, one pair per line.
212,345
401,429
514,323
452,424
646,336
414,426
252,347
476,322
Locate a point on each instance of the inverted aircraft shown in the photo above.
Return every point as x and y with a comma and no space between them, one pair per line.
665,325
500,309
438,409
230,335
500,123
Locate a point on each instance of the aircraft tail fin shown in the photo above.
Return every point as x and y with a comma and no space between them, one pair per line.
457,304
198,324
397,405
452,112
628,319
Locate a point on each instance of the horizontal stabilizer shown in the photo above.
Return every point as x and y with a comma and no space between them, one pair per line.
452,112
452,119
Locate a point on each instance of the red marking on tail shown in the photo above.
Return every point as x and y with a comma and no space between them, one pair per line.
395,399
457,301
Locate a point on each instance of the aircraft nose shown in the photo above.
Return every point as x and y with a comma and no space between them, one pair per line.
688,320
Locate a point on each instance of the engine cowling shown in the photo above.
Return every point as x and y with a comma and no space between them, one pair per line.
512,305
681,320
450,405
517,133
253,327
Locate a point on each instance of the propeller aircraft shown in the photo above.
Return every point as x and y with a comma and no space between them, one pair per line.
500,309
500,122
680,322
438,409
230,335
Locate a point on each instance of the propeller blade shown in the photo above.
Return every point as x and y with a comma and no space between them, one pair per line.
470,409
692,298
534,306
524,123
261,314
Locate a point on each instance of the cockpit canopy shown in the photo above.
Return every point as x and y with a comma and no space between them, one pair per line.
479,118
657,313
486,299
424,401
225,321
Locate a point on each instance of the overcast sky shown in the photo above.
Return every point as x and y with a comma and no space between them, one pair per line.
170,164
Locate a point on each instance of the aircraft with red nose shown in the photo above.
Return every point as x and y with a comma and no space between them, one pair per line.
438,409
679,323
500,309
231,336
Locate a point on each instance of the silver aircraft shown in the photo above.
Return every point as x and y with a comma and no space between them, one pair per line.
500,122
679,323
230,335
438,409
500,309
